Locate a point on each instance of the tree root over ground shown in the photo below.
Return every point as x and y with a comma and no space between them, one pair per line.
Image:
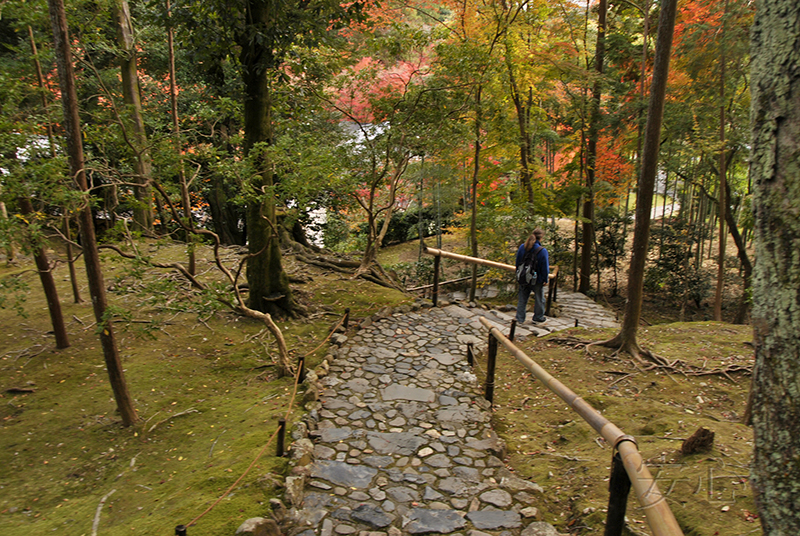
646,361
374,273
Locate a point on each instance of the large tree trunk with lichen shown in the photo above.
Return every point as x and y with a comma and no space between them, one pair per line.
143,207
94,274
268,283
775,174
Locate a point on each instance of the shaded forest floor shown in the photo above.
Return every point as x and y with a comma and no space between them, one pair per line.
204,386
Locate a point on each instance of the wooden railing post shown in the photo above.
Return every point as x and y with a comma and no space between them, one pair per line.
180,530
470,355
490,366
346,320
512,330
619,485
555,291
281,437
436,261
301,369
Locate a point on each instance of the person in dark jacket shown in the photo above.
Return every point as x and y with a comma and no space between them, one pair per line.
534,241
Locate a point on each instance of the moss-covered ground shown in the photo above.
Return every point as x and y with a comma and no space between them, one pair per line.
208,398
708,491
203,384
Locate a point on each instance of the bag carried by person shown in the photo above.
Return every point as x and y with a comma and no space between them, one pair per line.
526,272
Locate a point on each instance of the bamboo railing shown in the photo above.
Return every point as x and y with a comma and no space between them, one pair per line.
659,516
552,291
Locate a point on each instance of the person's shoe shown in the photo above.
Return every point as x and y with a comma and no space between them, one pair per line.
542,321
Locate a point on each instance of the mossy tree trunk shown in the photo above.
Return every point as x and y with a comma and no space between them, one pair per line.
775,174
268,283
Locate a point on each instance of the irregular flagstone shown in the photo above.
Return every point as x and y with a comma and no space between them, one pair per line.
332,435
460,414
497,497
355,476
403,442
446,358
422,521
494,519
396,391
373,516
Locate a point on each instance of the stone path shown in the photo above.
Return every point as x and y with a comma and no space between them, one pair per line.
401,441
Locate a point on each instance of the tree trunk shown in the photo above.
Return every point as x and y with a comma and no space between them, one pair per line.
176,132
223,218
591,154
142,210
626,339
91,256
269,285
775,171
473,226
9,245
76,293
523,112
723,202
48,284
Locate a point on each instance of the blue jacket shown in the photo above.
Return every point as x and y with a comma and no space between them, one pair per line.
542,262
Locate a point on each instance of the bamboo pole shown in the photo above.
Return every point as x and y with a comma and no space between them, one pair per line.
659,516
472,260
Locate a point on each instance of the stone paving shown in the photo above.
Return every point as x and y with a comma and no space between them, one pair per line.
401,442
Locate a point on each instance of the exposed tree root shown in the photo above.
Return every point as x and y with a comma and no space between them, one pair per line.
645,360
373,272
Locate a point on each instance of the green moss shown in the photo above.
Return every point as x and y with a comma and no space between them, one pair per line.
552,446
62,449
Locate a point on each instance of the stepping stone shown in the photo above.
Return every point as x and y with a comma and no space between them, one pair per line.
402,443
442,521
395,391
494,519
343,474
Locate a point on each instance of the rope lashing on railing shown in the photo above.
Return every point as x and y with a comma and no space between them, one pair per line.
659,516
297,381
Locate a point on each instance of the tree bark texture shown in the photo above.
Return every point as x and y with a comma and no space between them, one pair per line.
644,195
269,285
176,132
587,237
48,285
473,225
142,210
775,173
91,255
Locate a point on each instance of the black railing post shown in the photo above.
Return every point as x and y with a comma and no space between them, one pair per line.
490,365
470,355
435,296
551,285
555,291
301,369
512,330
180,530
346,318
281,437
619,485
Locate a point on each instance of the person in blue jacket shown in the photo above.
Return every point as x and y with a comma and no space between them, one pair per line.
542,273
